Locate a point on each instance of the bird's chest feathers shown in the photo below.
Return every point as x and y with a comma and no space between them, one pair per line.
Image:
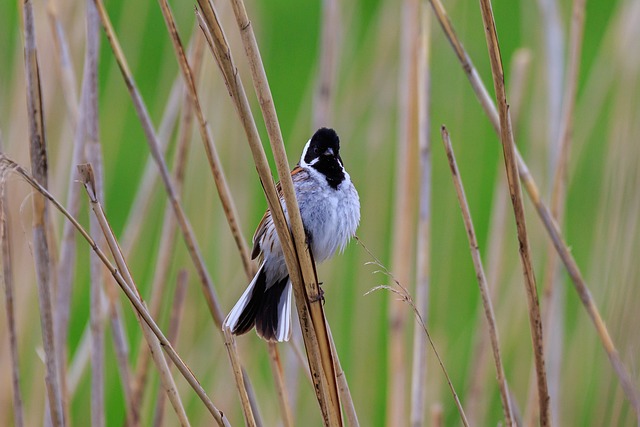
329,217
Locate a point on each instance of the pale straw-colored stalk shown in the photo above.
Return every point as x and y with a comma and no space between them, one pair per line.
476,397
508,149
38,154
406,186
298,257
155,347
423,246
327,63
177,308
8,285
482,280
627,383
152,139
169,225
93,154
129,288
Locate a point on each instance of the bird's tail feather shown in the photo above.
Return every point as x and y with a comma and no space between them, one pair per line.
266,307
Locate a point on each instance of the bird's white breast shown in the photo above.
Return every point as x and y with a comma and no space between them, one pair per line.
330,216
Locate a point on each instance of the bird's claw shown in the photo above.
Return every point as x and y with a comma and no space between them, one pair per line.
320,295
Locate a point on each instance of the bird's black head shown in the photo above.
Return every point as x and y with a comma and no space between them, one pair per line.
323,154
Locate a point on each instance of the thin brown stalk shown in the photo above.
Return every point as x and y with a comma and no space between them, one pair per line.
404,296
322,116
67,260
129,289
327,63
139,209
227,203
154,146
121,349
223,193
553,60
550,297
299,254
67,72
87,176
172,334
168,233
401,292
404,210
627,383
7,283
93,154
38,153
253,400
205,133
308,303
423,255
238,375
281,388
508,148
343,387
482,280
475,399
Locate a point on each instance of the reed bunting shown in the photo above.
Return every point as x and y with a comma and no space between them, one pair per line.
330,210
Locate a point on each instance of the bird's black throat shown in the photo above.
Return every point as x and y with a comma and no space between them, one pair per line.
331,168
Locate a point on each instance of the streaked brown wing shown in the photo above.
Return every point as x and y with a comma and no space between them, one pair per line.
266,220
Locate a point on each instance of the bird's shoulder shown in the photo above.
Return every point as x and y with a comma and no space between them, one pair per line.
297,174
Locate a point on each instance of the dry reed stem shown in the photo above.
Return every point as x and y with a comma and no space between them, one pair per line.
38,154
550,304
7,164
476,407
406,186
238,375
226,199
93,155
67,72
82,354
301,256
122,355
508,147
423,255
558,198
168,230
139,208
405,297
88,179
553,60
480,276
328,63
224,193
627,383
322,369
281,387
172,334
343,387
322,116
7,283
152,140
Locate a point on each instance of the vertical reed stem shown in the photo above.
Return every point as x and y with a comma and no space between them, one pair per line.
509,151
38,153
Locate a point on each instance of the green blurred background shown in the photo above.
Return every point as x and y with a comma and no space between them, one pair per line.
601,227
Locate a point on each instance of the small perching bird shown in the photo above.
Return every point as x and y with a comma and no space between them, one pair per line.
330,210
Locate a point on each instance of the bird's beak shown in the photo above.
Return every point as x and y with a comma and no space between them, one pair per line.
329,152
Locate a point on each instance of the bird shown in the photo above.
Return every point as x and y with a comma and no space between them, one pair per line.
330,209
